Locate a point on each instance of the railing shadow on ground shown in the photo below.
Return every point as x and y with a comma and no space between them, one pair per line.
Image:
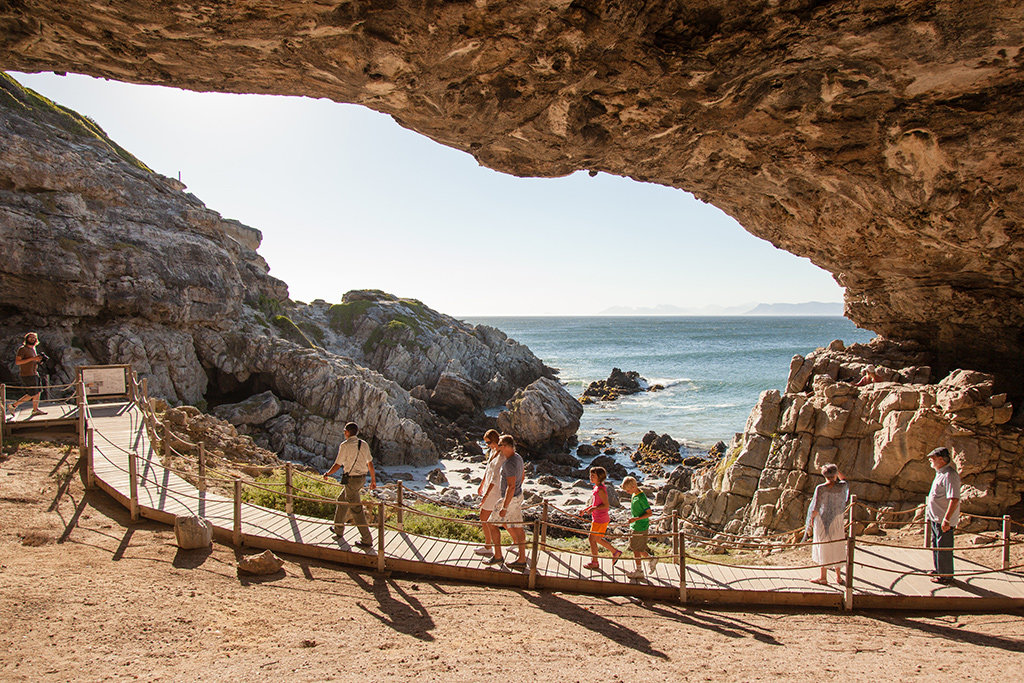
601,625
406,615
720,622
914,621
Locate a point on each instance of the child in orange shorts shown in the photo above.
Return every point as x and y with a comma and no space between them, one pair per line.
599,518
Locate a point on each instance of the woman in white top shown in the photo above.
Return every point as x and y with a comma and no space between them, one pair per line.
489,495
825,519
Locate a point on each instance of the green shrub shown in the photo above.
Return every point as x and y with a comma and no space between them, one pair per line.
309,486
342,317
312,330
291,332
269,305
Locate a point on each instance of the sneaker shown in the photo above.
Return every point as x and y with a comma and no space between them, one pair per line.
364,544
494,560
636,574
651,564
484,550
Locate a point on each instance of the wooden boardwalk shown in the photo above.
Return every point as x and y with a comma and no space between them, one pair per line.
162,495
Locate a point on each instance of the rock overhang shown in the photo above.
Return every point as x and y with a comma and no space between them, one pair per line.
880,141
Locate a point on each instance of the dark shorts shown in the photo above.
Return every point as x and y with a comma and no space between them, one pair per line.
28,382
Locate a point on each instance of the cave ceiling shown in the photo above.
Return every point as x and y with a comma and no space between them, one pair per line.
879,139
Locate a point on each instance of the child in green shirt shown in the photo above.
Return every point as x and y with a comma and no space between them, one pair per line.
640,521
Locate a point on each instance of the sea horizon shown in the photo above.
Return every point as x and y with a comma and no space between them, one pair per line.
713,368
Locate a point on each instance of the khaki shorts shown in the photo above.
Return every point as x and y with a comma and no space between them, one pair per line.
638,542
513,515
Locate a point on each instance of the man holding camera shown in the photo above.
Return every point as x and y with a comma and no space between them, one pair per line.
355,462
28,359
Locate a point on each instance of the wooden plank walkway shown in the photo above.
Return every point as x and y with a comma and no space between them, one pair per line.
162,495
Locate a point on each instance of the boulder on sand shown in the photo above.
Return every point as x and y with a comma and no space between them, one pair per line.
192,531
264,564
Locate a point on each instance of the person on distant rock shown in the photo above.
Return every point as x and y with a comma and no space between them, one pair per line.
640,522
825,520
488,493
510,514
28,359
599,518
355,461
871,375
943,513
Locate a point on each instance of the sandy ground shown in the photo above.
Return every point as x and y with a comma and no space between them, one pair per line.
87,595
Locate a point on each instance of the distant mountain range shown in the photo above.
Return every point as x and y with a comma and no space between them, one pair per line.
809,308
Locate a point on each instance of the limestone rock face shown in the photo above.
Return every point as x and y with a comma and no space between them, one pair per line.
542,417
880,142
878,434
253,410
123,267
465,367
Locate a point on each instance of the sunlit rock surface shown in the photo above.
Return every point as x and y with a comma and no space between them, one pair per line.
112,263
878,434
881,140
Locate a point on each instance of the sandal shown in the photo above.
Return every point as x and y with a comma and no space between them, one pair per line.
592,565
615,556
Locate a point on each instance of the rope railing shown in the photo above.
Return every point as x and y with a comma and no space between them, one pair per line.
389,514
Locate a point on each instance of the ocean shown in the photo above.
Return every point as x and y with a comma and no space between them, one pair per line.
713,368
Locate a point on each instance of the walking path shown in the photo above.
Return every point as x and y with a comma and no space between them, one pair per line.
884,577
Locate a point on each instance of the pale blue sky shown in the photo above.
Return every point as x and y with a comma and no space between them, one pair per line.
347,199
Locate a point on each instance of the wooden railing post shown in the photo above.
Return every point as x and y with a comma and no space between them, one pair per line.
90,460
544,524
289,495
401,504
80,391
1006,542
850,540
3,414
927,532
675,532
202,467
133,486
165,444
236,535
380,537
682,566
536,551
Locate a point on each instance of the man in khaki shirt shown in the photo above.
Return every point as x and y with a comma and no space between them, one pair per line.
355,460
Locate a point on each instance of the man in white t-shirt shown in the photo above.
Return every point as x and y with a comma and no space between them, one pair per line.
354,460
943,512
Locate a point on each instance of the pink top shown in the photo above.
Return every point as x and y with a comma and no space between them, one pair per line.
599,512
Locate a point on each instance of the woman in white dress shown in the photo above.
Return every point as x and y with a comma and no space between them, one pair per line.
488,493
825,521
